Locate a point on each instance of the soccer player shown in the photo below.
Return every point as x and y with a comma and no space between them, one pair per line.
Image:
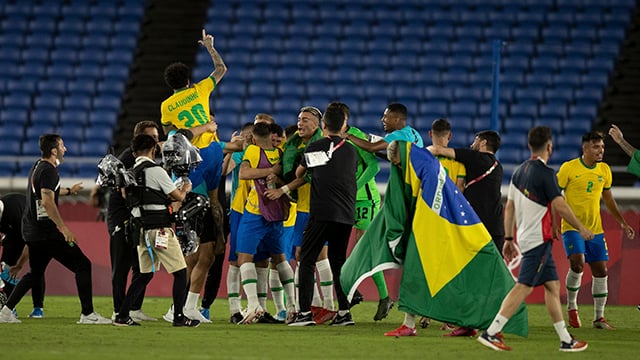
188,107
261,223
585,181
394,122
482,187
332,163
440,134
533,193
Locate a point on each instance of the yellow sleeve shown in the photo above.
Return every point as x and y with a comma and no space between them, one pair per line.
252,155
562,175
608,177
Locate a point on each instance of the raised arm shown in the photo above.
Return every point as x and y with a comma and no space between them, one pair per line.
219,67
618,137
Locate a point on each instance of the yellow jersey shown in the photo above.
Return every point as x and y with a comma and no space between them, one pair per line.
188,108
455,170
252,156
583,187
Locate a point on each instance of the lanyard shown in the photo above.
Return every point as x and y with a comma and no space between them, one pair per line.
486,173
334,148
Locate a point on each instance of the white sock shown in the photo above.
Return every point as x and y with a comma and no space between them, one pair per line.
326,283
286,278
277,291
233,289
574,280
192,301
409,320
561,329
249,278
262,286
497,324
600,291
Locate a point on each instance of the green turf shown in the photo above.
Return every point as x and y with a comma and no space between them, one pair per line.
58,337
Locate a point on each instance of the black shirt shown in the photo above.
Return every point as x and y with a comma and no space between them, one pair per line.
43,175
484,196
333,186
11,222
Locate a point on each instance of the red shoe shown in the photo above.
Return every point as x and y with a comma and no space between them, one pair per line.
447,327
315,310
602,323
574,319
495,342
323,316
462,331
403,330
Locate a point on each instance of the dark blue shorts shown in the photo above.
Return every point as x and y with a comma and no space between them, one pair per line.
537,266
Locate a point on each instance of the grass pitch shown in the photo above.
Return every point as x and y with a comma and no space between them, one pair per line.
57,336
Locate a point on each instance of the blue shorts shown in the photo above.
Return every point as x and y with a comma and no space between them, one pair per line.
301,222
537,266
234,222
287,240
593,250
255,234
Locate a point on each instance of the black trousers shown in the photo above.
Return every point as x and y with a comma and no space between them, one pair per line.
124,258
12,247
71,257
315,235
212,284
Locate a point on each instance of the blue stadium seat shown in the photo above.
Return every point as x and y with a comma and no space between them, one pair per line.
75,118
467,108
45,116
77,102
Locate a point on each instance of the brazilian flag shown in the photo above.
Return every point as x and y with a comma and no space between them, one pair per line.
452,271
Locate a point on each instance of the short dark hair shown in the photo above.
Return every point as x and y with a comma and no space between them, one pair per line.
276,129
261,130
492,138
342,106
538,137
247,126
48,142
399,109
142,143
592,136
141,126
440,126
176,75
290,130
333,118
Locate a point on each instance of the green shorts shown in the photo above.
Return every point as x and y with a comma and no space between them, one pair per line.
365,211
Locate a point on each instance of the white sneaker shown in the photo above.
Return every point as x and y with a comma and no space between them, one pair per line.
194,314
113,316
93,319
139,315
7,316
168,317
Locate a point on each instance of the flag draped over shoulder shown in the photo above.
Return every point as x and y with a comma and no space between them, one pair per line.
452,271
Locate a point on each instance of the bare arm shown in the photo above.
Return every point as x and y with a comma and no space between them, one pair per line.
217,212
249,173
368,146
49,204
211,127
294,184
219,67
509,250
612,205
180,193
94,199
460,184
438,150
560,206
618,137
15,269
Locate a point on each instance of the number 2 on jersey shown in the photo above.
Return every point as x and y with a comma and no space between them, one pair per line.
196,113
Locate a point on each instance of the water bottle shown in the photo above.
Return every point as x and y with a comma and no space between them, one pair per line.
6,276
